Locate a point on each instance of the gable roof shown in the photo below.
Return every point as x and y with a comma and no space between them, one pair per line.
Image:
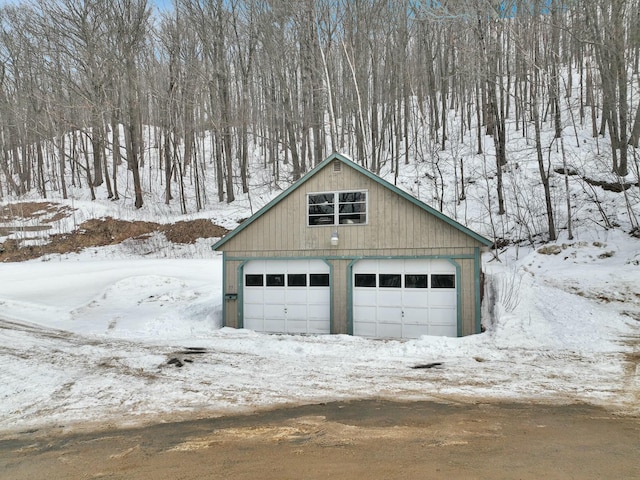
367,173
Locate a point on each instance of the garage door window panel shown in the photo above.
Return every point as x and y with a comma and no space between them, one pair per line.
439,280
297,280
367,280
415,281
319,280
388,280
253,280
275,280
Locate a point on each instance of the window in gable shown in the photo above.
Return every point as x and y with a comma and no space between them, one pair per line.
337,208
321,209
352,207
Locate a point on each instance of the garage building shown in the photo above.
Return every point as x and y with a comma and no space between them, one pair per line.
344,251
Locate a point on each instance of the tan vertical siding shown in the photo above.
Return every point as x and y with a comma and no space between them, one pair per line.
340,307
467,306
231,286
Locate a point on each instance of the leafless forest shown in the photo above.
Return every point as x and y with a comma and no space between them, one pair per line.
206,88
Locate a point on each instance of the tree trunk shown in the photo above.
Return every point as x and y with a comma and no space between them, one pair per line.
132,157
97,148
634,138
117,159
544,176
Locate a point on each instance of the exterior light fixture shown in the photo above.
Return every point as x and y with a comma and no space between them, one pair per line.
334,238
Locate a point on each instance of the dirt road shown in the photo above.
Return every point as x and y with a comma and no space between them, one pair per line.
356,440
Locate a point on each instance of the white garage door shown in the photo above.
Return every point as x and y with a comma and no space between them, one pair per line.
286,296
404,298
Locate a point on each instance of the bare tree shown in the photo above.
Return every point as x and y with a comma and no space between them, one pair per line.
130,21
607,32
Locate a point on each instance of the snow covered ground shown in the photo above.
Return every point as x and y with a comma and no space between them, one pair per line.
95,337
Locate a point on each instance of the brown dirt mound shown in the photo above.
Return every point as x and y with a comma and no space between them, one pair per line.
110,231
189,232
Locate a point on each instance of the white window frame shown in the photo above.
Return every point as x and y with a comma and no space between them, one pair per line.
336,209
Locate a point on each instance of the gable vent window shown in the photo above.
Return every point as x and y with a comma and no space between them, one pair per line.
337,166
337,208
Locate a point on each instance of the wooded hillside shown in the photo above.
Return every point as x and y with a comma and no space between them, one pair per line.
206,89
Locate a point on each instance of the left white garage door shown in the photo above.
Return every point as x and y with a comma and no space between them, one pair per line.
287,296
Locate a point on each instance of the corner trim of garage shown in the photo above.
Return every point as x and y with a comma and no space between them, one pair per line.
478,287
224,288
240,283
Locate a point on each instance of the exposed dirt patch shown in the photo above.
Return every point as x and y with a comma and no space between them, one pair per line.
189,232
109,231
44,212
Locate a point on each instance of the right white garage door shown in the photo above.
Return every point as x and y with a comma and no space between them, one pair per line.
404,298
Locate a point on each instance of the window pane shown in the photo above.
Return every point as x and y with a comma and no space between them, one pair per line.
389,280
320,198
365,280
319,279
297,280
352,207
350,197
321,219
254,280
443,281
415,281
275,280
321,209
352,218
